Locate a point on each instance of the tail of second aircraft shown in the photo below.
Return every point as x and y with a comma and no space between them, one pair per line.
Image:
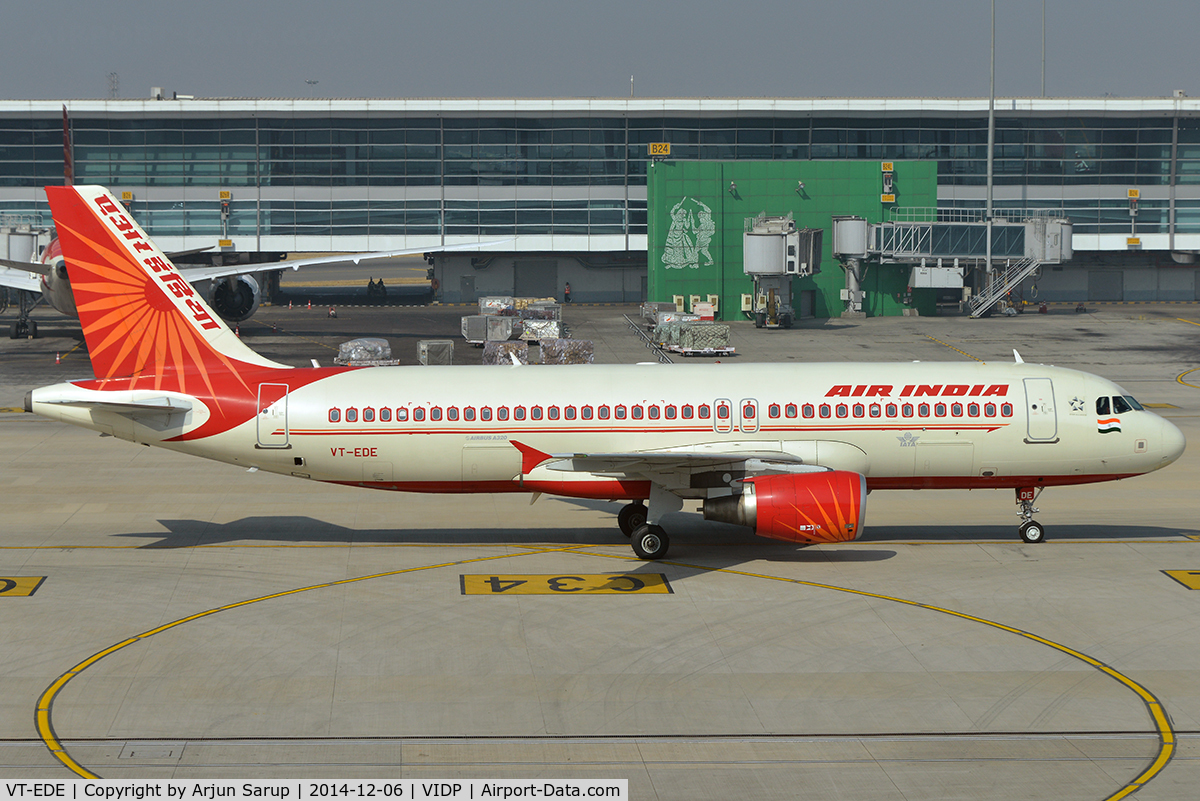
142,320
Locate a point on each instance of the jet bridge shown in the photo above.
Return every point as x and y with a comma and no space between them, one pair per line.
941,243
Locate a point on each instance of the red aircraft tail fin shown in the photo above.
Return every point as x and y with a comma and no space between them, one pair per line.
140,317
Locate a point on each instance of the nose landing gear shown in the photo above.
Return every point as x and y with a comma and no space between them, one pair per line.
1031,531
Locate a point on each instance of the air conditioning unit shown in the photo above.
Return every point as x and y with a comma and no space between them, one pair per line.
693,300
747,303
678,303
715,300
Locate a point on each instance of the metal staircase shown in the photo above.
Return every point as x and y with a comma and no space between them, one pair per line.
1003,282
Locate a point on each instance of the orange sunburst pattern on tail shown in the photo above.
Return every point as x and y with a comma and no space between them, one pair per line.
810,507
142,320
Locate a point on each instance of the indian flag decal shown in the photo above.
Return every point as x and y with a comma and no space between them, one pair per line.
1108,425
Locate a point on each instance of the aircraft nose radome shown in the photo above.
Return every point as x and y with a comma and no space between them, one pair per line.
1173,442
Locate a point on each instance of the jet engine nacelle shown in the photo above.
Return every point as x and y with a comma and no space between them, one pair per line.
235,298
828,506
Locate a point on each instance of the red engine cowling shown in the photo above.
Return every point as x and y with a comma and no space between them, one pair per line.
798,507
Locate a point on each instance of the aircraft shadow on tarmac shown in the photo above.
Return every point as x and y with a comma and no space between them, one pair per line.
697,539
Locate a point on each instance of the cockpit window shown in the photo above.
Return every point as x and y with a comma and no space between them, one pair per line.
1102,406
1133,403
1120,406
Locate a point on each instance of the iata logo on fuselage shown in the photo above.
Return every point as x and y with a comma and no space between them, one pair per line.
918,391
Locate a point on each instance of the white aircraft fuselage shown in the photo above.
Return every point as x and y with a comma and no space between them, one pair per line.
789,449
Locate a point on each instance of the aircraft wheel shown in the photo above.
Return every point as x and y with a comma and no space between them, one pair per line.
1032,531
631,518
15,331
650,542
32,329
785,321
760,320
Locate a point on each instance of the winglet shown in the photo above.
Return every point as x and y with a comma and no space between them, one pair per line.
1017,356
530,457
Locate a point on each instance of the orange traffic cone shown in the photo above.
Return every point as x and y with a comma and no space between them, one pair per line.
310,305
289,305
58,358
237,331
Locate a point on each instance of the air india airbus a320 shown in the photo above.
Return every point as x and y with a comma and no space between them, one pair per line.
789,450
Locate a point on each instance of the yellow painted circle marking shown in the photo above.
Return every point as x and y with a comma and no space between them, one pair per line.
43,714
1179,378
1154,707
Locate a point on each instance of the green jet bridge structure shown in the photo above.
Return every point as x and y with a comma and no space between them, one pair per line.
930,238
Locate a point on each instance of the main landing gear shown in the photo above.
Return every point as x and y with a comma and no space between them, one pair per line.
649,542
1031,531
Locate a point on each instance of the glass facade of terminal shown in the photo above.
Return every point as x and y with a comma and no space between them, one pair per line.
424,160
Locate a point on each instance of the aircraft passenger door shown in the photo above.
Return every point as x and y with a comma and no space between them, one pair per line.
1039,410
722,416
748,411
272,416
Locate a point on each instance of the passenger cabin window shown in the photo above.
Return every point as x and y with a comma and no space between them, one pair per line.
892,410
773,411
552,412
875,410
619,412
402,415
352,415
435,414
809,410
535,413
922,410
653,410
939,409
637,412
989,409
502,413
385,415
586,413
603,413
368,415
670,412
688,411
825,411
859,410
569,413
1006,410
843,410
452,413
418,415
519,413
973,409
485,414
790,410
747,412
906,410
1102,406
469,414
703,411
723,412
335,415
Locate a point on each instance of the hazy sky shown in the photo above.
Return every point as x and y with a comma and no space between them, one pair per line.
565,48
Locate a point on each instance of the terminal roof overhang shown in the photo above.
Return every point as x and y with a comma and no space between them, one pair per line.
634,107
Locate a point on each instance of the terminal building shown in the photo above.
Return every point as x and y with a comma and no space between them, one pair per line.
570,185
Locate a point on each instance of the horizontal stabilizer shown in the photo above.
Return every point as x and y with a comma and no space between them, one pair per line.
147,406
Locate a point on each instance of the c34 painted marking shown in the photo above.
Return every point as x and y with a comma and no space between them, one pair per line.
19,586
554,584
1188,578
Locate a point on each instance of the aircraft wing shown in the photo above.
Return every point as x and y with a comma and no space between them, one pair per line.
18,277
193,274
669,469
